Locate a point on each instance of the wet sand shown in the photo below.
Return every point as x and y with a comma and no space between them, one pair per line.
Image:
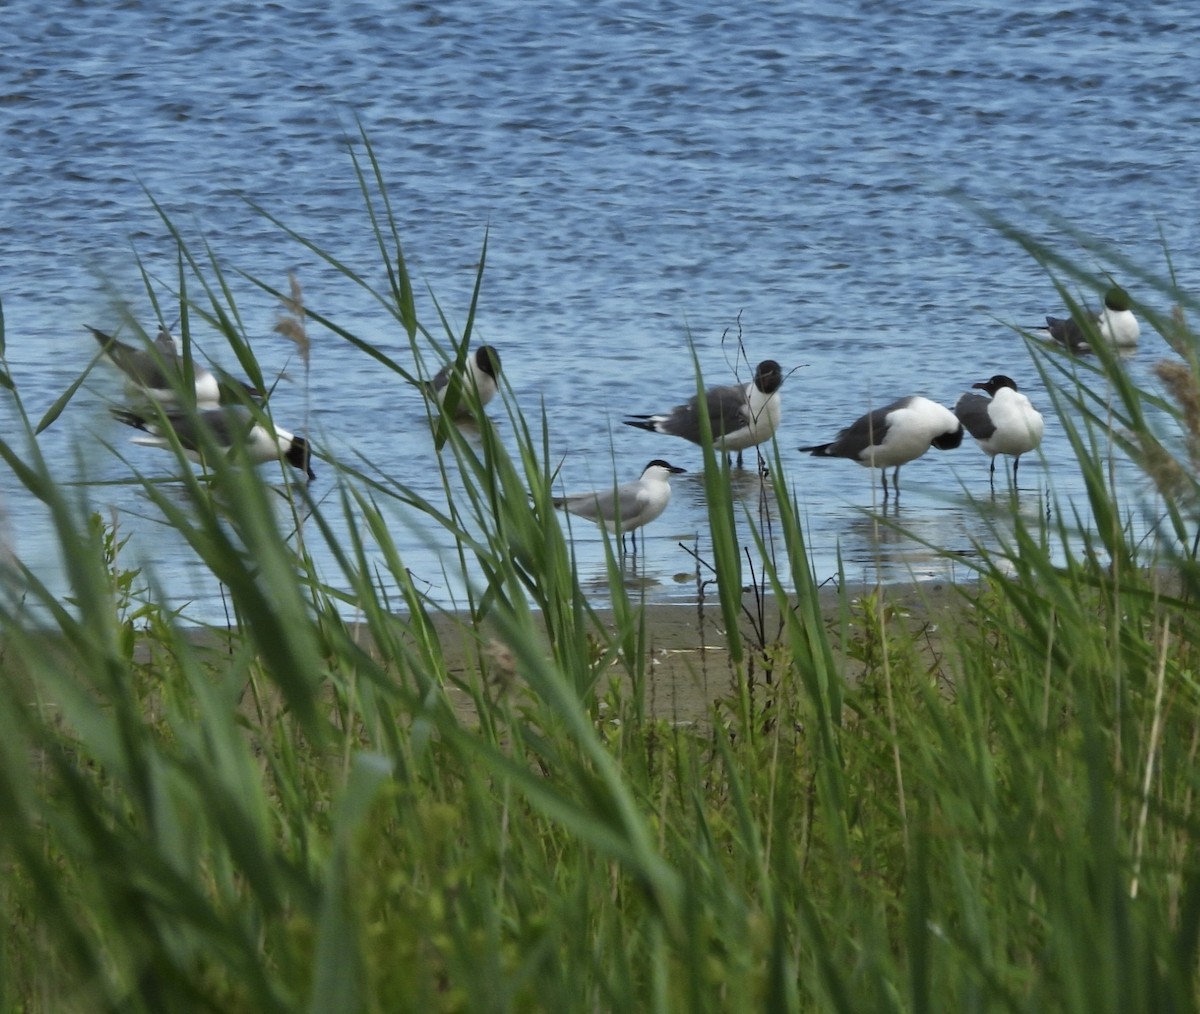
687,645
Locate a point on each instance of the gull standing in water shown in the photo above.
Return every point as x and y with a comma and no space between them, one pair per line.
155,372
893,436
1114,323
232,428
480,370
627,507
1005,423
739,415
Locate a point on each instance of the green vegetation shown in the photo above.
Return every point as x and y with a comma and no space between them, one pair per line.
298,812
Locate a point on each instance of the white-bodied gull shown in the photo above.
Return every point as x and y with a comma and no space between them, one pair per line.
155,371
227,426
480,370
893,436
629,506
739,415
1114,324
1005,423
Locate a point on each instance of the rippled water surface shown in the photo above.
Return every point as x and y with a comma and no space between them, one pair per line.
647,174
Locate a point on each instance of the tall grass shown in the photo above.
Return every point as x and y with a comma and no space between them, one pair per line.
299,812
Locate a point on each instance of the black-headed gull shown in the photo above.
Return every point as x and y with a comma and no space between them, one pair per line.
155,371
894,435
227,426
739,415
480,371
1005,423
1114,323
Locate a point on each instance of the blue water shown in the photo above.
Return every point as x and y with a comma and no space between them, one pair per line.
648,175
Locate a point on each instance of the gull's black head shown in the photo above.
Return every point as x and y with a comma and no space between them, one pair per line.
997,382
768,377
949,441
1117,299
488,360
298,454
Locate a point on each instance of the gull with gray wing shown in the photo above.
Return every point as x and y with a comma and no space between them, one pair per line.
1005,423
233,429
739,415
480,371
1114,324
155,371
894,435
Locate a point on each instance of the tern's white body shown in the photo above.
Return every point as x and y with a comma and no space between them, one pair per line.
627,507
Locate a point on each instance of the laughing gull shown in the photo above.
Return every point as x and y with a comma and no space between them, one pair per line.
155,371
225,426
1114,323
893,436
739,415
481,369
1005,423
629,506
